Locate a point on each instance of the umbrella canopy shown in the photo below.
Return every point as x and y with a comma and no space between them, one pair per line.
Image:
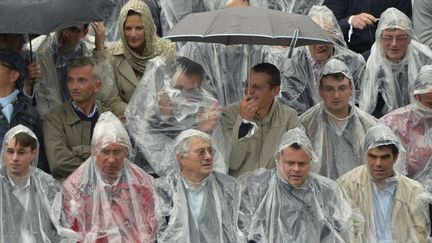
249,25
45,16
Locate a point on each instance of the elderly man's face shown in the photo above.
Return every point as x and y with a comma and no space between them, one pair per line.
198,162
394,43
380,162
67,39
295,165
321,53
425,99
110,160
18,158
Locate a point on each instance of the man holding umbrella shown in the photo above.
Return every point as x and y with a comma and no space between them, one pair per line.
257,122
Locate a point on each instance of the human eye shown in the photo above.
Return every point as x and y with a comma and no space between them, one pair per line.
118,152
141,27
10,151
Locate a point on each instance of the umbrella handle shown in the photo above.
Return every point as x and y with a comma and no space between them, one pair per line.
293,42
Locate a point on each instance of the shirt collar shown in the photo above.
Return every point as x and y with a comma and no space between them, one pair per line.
14,185
92,114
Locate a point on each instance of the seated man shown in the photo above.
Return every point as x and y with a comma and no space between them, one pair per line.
290,204
301,74
396,58
413,126
169,100
257,121
68,128
386,202
108,198
197,204
16,108
30,205
55,52
336,126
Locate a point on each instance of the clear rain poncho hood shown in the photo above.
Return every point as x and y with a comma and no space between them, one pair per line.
300,74
182,219
225,66
273,210
394,81
388,210
169,99
110,211
42,219
413,125
337,141
173,11
290,6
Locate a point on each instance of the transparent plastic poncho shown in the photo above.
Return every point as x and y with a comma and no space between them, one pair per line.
169,99
226,67
42,219
395,201
413,125
273,210
217,216
394,81
173,11
300,74
337,141
104,210
290,6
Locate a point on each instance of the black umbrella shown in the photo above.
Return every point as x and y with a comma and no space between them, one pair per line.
249,25
45,16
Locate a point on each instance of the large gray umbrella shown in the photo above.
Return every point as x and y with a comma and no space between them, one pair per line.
45,16
249,25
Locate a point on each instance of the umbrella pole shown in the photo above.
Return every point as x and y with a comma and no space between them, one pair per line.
30,45
248,66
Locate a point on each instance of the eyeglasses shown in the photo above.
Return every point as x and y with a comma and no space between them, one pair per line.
202,152
399,38
117,153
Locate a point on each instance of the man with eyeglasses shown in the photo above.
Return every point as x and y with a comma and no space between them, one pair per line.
289,203
30,208
396,57
197,204
335,126
108,198
16,108
172,98
68,127
257,121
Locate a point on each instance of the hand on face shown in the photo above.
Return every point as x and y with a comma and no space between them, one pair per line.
208,120
248,108
165,104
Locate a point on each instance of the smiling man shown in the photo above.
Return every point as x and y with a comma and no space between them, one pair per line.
291,204
336,126
256,123
389,203
196,203
395,60
68,128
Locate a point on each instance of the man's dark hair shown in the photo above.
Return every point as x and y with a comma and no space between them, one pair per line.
189,67
271,70
337,76
25,140
295,146
392,147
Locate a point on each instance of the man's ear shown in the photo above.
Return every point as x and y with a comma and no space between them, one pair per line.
98,85
276,90
13,76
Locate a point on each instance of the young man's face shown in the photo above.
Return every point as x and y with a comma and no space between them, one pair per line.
67,39
380,161
18,159
335,94
295,165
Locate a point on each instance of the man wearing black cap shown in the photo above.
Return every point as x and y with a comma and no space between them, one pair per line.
16,108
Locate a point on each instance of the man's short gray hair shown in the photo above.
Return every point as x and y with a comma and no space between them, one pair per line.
182,142
87,61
